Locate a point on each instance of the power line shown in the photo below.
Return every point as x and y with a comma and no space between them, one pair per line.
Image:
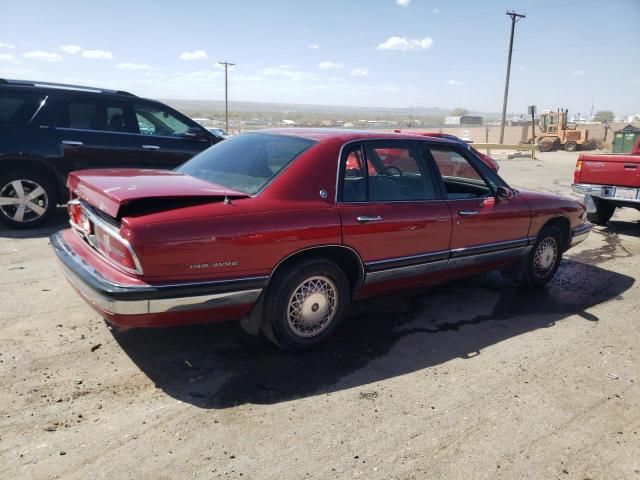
226,94
515,17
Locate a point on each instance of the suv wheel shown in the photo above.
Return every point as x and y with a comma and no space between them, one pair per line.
305,304
27,199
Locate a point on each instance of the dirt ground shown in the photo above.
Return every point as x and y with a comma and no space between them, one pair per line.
475,379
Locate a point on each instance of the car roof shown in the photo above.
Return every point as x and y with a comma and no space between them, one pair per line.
33,85
348,135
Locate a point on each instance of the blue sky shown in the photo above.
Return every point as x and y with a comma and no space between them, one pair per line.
382,53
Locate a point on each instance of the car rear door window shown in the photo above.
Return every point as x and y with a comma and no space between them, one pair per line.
18,108
386,171
96,114
154,120
461,179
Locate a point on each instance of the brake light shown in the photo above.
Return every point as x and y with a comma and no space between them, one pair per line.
114,248
77,217
576,173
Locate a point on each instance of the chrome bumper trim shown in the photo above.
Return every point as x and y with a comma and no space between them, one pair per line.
101,293
607,192
579,234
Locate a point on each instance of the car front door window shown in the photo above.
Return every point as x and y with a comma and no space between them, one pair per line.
156,121
461,179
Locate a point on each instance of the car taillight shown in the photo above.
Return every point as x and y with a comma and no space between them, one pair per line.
114,248
579,166
77,217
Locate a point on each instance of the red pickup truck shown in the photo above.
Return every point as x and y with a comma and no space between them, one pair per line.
608,181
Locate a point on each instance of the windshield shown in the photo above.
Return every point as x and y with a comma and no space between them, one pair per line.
247,162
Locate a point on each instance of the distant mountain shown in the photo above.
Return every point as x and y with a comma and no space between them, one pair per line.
281,108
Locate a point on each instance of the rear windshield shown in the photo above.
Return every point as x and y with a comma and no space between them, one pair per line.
246,162
18,108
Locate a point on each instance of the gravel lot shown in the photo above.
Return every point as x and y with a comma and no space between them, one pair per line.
475,379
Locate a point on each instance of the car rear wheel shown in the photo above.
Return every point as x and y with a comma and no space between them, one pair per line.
305,304
604,212
571,146
27,199
545,257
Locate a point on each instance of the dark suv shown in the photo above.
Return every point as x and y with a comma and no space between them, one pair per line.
48,130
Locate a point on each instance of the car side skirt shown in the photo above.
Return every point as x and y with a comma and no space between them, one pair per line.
469,257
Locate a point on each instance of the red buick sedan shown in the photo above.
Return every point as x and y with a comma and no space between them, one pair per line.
283,228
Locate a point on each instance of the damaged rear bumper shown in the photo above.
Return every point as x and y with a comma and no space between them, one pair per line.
156,304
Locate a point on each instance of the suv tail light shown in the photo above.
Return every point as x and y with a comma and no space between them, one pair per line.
103,237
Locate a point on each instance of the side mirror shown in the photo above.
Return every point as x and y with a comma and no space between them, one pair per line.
504,193
195,133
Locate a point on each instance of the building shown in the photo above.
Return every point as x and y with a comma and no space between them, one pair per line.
470,120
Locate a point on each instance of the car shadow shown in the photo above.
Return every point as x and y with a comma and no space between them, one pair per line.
59,221
219,366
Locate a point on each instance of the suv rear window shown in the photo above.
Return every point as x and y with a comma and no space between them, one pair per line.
246,162
18,108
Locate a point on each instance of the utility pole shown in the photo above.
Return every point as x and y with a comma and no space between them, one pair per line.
514,18
226,94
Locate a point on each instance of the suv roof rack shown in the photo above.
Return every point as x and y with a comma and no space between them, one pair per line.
63,86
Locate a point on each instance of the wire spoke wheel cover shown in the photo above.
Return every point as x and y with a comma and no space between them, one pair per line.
23,200
312,306
545,257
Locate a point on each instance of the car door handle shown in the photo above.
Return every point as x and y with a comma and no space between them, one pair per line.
630,165
467,213
151,147
365,219
74,143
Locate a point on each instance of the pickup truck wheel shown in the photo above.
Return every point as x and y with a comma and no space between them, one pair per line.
604,212
306,304
27,199
571,146
544,259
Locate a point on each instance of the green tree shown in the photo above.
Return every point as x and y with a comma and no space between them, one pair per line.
459,112
604,116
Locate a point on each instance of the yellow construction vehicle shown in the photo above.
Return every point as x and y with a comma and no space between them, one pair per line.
556,133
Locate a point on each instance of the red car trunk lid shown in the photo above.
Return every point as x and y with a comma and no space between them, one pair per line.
110,190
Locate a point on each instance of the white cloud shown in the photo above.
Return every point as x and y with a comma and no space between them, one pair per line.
133,66
6,45
6,57
44,56
578,73
521,69
97,54
313,46
436,10
403,3
71,49
359,72
195,55
327,65
456,83
404,43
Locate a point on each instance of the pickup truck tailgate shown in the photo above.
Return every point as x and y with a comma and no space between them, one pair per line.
622,170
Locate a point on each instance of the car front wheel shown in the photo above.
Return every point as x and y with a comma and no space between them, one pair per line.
545,257
305,304
27,199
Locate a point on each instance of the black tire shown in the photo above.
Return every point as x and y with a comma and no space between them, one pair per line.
570,146
332,296
604,212
541,265
37,211
545,146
